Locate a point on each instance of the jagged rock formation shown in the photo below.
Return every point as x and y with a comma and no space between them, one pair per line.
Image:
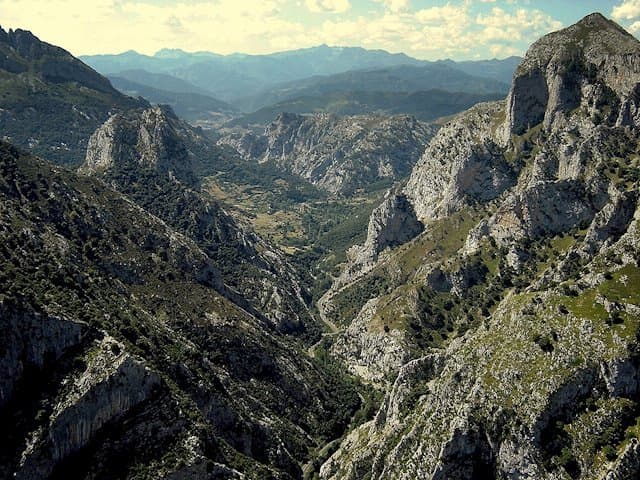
587,65
463,165
391,224
121,358
338,154
149,155
525,324
157,145
372,354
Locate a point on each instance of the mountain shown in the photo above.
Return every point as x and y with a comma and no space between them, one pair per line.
51,102
501,70
231,76
194,107
496,297
338,154
239,76
122,355
425,106
485,324
159,81
152,156
403,78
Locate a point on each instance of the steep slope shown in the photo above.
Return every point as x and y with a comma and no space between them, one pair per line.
145,155
496,297
338,154
119,356
425,106
402,78
51,102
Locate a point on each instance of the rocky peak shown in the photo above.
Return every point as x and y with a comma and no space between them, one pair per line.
591,63
145,139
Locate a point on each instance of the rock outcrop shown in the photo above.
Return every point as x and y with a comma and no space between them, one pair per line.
148,140
32,340
372,354
541,377
463,165
110,387
338,154
151,151
590,64
391,224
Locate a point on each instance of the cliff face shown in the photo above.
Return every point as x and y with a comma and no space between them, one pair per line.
518,299
339,154
463,165
148,140
589,64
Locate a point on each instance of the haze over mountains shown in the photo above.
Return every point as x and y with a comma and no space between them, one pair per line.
322,296
252,82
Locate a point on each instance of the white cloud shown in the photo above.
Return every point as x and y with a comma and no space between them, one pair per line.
226,26
447,13
328,6
395,5
627,10
521,25
116,25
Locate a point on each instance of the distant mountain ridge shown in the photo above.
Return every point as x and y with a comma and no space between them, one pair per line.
229,77
401,78
501,70
188,105
160,81
338,154
426,105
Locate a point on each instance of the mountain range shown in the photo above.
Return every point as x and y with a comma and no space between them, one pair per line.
187,104
333,297
253,81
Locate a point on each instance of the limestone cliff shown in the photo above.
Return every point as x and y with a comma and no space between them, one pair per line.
339,154
525,323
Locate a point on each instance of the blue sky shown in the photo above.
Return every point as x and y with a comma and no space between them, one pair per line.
426,29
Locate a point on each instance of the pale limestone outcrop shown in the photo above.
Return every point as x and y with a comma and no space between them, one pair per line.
111,385
148,139
462,165
338,154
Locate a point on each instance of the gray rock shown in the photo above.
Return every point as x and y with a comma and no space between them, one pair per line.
31,339
338,154
148,139
463,165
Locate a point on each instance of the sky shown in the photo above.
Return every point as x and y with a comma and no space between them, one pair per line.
425,29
